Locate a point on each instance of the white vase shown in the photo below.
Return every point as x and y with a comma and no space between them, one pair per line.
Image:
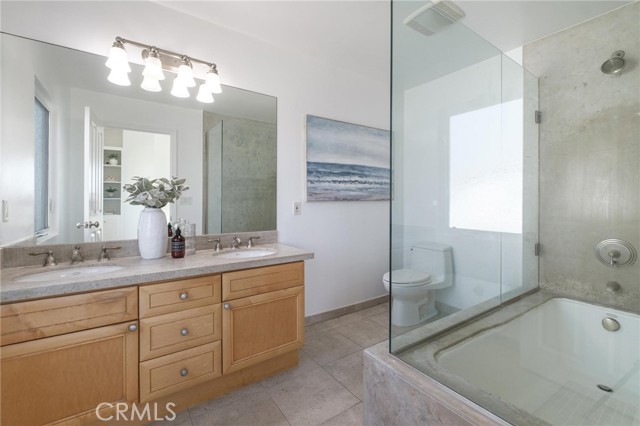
152,233
113,161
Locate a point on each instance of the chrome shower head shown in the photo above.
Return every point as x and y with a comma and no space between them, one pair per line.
614,64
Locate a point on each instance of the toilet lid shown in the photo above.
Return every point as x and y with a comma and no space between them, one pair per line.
408,277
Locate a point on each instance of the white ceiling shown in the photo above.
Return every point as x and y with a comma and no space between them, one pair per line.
355,35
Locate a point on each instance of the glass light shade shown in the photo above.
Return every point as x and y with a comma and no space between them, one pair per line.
204,94
185,75
179,90
151,85
153,68
121,78
213,82
118,60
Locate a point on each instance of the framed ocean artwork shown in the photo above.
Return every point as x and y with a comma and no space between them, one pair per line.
346,162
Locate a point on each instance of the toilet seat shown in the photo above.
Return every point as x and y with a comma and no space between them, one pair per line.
408,278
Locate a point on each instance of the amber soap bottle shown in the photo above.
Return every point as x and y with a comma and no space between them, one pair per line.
177,245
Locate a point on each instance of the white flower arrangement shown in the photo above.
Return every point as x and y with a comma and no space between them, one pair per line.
155,193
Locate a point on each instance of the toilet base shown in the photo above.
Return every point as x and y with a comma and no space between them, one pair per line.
407,312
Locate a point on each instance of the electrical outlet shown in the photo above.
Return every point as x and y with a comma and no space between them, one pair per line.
5,211
297,207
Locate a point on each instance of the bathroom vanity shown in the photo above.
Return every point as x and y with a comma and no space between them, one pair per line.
211,326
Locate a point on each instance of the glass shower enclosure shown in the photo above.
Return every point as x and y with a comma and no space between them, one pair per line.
464,211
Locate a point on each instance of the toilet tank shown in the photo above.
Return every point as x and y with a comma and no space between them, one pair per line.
434,258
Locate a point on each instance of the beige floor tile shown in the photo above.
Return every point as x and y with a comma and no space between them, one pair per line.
364,332
311,398
255,410
327,346
182,419
348,371
382,319
354,416
252,392
305,364
316,328
375,310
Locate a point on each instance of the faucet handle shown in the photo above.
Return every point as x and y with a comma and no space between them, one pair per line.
49,260
76,255
250,242
217,246
104,253
236,242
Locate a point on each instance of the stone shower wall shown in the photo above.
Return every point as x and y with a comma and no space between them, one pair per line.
589,155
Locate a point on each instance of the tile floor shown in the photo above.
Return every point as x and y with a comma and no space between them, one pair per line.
325,389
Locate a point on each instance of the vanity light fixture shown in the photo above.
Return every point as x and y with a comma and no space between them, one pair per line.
156,61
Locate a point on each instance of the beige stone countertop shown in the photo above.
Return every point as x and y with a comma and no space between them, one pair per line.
136,271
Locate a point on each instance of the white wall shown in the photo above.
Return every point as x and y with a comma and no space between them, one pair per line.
350,240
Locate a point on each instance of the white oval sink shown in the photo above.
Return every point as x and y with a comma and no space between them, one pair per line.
68,273
246,253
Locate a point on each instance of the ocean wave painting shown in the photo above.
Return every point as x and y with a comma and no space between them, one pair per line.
346,162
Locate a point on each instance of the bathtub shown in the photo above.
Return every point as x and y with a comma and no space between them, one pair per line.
558,363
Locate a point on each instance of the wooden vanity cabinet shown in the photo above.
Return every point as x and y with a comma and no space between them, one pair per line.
180,332
54,352
268,321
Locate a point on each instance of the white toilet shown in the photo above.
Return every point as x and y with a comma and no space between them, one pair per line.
413,290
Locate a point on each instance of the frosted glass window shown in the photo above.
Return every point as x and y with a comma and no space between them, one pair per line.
41,150
486,168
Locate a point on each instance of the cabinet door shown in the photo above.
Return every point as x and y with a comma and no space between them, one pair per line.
64,376
257,328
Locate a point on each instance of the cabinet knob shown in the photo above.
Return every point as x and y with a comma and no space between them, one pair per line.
133,327
184,372
184,295
184,331
227,306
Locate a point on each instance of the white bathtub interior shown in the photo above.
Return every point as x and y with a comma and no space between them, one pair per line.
550,360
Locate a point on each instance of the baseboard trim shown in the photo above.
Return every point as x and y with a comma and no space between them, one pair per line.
324,316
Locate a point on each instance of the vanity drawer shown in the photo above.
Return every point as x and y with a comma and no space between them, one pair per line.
174,296
36,319
254,281
165,334
171,373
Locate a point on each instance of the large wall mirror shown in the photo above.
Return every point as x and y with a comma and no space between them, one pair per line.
70,139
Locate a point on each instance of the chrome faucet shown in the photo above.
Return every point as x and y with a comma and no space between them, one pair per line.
76,255
250,242
49,260
235,244
217,246
104,253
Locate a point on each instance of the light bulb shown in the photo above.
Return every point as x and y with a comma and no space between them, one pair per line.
151,85
118,60
185,73
213,80
153,66
119,77
179,90
204,94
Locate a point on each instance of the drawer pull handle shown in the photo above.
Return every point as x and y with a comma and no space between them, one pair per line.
184,372
227,306
184,296
184,331
133,327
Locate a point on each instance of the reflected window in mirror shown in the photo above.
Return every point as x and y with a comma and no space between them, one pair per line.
41,167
